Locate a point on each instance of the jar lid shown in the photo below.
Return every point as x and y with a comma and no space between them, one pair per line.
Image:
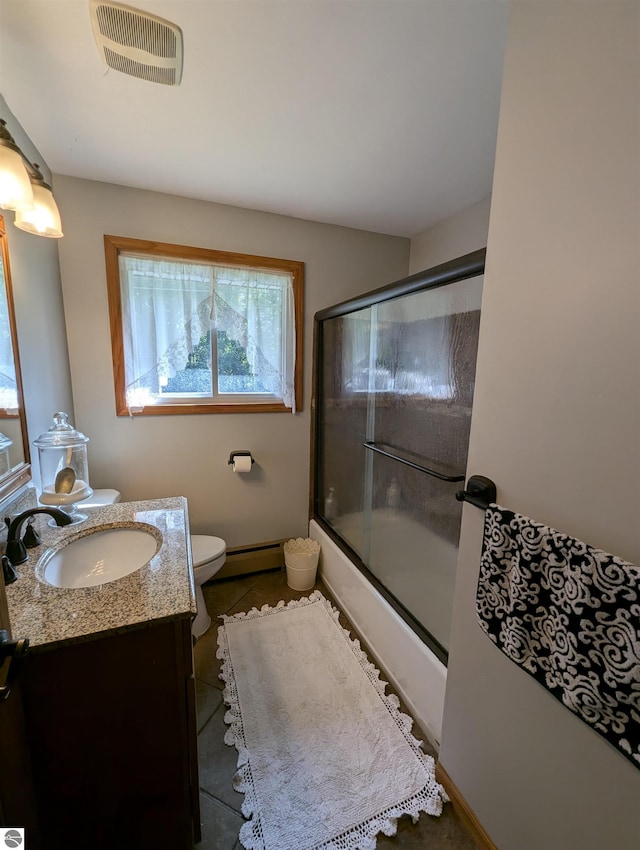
61,433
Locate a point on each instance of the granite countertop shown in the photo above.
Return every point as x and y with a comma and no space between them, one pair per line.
162,589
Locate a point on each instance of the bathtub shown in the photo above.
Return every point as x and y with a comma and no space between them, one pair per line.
413,670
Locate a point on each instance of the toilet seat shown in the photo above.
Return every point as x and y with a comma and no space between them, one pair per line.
100,498
205,548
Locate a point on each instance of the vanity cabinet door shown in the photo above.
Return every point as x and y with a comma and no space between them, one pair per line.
17,798
108,724
186,642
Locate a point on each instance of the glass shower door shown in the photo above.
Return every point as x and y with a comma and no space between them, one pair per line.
393,430
424,347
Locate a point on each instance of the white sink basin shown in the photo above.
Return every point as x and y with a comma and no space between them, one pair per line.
98,557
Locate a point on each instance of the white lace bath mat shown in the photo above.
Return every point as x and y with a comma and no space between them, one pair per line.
326,760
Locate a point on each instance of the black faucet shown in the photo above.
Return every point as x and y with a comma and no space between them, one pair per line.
16,550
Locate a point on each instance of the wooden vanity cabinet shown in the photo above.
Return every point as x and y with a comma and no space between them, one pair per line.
111,730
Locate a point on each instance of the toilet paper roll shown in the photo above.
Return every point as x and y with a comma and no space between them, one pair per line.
242,463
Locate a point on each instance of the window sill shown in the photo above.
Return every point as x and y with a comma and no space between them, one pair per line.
187,409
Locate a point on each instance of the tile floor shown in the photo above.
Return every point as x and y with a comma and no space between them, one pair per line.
220,804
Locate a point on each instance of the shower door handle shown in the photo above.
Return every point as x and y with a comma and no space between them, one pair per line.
377,447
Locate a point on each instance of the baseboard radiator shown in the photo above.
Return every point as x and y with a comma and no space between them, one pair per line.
256,558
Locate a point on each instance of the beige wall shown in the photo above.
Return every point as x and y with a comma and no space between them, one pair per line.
462,233
40,324
187,455
556,420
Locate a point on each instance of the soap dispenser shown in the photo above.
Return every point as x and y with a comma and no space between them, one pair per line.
63,448
393,494
331,505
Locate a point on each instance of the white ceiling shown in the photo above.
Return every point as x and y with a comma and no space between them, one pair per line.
374,114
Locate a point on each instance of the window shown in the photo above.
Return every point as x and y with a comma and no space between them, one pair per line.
201,331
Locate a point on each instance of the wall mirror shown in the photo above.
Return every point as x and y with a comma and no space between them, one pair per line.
15,469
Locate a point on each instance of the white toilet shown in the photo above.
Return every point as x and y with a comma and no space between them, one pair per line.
208,554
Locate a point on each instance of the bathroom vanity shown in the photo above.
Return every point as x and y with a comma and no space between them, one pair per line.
108,694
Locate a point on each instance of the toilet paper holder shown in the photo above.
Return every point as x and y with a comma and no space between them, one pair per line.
234,455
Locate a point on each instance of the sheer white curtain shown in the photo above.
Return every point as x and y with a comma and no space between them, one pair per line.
168,306
256,309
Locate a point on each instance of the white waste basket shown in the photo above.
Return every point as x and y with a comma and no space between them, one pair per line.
301,560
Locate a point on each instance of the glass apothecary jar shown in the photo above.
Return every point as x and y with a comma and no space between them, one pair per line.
63,447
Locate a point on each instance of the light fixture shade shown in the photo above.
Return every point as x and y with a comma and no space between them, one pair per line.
15,186
44,218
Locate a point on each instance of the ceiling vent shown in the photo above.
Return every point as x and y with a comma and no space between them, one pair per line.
136,43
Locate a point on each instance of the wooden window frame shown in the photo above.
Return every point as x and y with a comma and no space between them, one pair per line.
115,245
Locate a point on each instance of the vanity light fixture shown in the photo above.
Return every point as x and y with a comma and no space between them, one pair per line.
15,185
44,218
23,189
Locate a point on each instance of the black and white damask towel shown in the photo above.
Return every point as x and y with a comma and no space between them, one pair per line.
569,615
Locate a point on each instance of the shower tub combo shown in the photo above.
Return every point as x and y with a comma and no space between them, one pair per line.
393,392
